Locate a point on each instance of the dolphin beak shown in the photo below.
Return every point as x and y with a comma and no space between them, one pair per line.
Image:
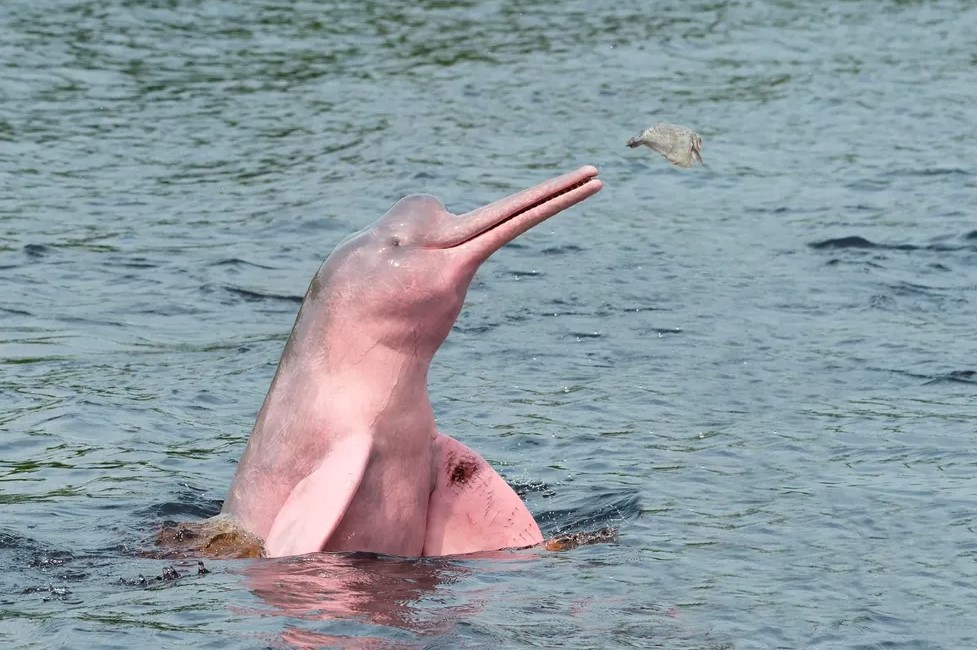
483,231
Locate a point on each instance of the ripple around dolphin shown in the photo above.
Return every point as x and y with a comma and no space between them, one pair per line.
596,512
859,242
956,376
191,503
373,594
238,262
950,377
603,510
45,569
257,296
37,251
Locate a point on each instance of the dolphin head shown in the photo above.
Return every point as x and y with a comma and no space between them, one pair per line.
401,282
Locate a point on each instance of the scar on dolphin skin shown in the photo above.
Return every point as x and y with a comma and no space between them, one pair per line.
461,470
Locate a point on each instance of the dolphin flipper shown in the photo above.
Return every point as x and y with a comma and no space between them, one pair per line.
472,508
318,502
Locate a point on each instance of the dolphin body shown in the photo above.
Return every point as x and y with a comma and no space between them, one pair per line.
345,454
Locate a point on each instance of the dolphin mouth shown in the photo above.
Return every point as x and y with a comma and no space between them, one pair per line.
488,228
547,199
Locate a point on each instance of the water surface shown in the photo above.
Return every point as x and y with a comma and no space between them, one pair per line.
762,371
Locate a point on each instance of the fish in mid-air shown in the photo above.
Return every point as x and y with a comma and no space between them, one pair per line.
679,145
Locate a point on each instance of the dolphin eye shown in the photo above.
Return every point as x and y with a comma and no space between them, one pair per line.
395,241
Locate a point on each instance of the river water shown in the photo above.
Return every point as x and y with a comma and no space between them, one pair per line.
762,372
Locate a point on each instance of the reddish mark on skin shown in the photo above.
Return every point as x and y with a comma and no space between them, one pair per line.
461,470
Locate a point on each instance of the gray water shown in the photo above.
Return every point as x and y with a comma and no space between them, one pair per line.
763,373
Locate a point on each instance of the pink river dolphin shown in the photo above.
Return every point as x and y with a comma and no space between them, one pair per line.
345,454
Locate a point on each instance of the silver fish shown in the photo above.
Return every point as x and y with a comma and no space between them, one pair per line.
679,145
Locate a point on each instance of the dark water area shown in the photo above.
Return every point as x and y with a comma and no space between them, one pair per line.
762,372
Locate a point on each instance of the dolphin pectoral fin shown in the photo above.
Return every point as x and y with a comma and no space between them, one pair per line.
472,508
318,502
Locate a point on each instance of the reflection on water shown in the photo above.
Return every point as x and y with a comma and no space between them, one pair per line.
362,600
362,589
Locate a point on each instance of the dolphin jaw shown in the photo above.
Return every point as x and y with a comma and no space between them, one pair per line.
545,199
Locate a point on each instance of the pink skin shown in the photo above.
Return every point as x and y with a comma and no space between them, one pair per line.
345,455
